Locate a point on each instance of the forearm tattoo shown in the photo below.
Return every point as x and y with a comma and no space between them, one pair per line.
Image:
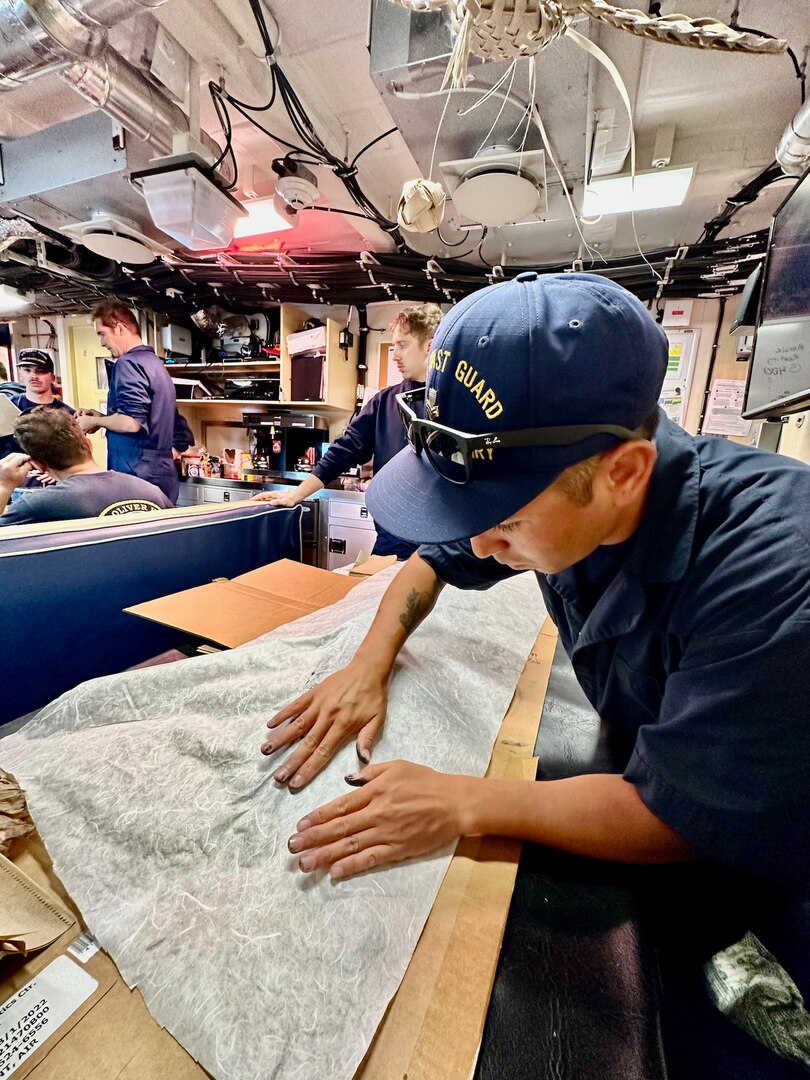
417,605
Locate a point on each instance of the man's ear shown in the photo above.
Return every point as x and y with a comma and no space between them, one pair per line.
627,469
427,346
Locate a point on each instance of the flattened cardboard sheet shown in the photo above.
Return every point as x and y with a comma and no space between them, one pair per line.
234,612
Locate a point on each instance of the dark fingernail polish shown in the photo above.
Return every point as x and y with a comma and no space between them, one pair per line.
268,748
363,754
280,776
355,779
307,863
296,782
295,843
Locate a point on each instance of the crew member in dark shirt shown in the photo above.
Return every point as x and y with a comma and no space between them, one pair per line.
377,431
141,403
36,369
53,442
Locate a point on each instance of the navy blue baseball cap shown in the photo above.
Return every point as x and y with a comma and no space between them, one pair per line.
35,358
537,351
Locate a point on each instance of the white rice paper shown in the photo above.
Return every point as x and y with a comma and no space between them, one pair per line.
166,827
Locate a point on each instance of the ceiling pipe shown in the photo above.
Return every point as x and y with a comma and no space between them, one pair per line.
793,151
70,38
39,37
112,84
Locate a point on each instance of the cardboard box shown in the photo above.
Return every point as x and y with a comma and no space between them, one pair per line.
433,1026
233,612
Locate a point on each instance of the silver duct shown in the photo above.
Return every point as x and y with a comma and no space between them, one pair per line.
793,151
112,84
39,37
70,38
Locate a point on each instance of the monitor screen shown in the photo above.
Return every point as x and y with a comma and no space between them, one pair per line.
779,375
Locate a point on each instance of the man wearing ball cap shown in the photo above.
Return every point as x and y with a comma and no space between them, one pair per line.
676,569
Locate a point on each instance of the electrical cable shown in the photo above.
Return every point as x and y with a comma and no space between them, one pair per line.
457,243
369,145
744,197
225,121
800,75
476,247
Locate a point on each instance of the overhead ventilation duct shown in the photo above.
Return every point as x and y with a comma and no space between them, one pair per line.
70,38
793,151
115,238
499,186
40,37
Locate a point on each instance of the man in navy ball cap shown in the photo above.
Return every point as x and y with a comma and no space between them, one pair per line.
675,568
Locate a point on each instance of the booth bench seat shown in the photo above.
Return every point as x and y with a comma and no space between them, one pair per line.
64,585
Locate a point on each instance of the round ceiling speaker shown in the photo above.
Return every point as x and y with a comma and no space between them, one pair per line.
492,196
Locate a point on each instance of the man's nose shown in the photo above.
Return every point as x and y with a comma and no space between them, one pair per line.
488,543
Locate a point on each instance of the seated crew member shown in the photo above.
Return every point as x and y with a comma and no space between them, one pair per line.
377,430
53,442
37,371
141,403
675,568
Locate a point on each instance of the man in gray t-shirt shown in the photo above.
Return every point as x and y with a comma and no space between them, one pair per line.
53,442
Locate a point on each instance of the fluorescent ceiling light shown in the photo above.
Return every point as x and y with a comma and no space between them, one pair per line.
262,217
13,301
651,190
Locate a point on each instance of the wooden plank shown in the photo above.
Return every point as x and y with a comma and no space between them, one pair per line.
433,1026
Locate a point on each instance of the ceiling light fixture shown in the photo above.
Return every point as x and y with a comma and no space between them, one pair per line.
14,301
653,190
263,216
186,202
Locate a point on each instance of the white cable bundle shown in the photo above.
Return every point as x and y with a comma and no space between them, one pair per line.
421,206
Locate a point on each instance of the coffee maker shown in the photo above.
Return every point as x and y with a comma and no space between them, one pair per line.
284,443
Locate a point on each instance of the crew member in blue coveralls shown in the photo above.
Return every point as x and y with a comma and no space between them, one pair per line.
141,403
676,569
378,429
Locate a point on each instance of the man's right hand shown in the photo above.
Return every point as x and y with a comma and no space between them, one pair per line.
353,701
14,470
277,498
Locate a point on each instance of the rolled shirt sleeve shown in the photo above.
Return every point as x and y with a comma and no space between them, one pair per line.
133,388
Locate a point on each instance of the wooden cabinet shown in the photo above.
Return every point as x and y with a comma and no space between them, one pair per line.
340,366
339,370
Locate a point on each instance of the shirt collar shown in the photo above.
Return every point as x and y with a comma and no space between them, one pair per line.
667,530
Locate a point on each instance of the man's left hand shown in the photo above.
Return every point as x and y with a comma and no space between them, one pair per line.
402,810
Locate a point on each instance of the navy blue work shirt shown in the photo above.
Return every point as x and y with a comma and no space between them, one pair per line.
140,387
696,655
377,431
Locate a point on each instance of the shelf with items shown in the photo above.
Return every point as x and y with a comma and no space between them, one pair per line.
225,368
339,365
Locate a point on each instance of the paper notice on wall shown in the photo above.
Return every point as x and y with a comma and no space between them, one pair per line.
38,1010
724,411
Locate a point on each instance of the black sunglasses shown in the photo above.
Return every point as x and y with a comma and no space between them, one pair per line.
454,454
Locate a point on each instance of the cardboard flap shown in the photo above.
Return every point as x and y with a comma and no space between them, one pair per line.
222,612
234,612
296,581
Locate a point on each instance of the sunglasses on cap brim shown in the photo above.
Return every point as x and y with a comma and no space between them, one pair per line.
455,455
